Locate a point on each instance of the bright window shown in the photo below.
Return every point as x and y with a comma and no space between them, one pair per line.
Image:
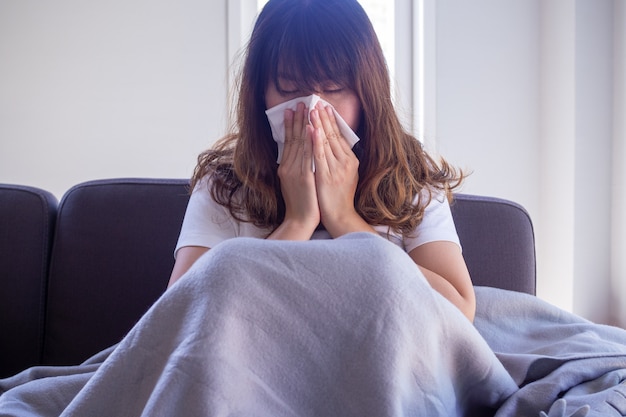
381,13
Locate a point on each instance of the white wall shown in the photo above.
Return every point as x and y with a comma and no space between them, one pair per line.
523,94
556,111
108,89
525,98
593,153
487,93
618,214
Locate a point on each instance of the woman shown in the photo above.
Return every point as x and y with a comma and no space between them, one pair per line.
386,184
291,326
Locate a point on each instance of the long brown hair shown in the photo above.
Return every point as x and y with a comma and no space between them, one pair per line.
315,41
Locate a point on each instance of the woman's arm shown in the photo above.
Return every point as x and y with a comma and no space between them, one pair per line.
185,257
443,266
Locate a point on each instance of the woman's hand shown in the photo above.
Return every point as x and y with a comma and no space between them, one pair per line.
336,175
297,180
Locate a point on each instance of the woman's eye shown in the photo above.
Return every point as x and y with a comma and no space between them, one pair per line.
333,88
286,87
288,90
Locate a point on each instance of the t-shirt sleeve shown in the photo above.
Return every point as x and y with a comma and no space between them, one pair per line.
437,225
206,223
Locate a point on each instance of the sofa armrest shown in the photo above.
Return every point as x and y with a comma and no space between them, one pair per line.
27,216
498,242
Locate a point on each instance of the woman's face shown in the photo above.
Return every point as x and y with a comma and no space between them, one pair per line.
343,99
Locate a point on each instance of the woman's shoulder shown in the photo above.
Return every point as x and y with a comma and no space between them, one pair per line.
437,222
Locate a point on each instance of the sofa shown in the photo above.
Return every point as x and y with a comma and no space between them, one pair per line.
78,273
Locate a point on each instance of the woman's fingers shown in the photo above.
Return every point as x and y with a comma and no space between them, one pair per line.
295,135
336,148
320,148
299,124
336,141
288,145
331,130
307,149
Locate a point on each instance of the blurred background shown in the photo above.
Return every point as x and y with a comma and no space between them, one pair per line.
529,95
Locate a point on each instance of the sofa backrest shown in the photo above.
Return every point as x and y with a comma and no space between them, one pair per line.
112,255
111,259
27,216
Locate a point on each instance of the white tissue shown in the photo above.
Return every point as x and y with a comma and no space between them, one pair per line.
276,117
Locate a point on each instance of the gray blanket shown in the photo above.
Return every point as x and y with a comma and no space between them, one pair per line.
347,327
553,354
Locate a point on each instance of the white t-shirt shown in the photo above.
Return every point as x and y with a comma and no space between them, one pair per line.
207,223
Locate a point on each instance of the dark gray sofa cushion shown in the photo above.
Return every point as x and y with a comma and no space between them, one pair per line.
112,256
